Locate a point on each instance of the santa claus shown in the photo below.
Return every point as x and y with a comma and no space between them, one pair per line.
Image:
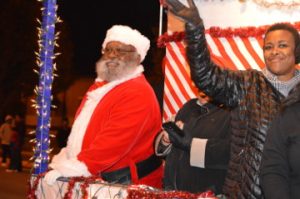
117,121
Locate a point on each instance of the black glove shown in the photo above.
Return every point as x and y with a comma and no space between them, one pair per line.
177,136
188,14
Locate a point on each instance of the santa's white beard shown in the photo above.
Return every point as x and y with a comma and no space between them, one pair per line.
112,69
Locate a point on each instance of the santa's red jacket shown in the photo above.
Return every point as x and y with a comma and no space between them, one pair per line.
118,133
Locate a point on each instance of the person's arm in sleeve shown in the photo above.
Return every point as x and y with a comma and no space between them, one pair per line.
210,153
62,166
222,85
204,153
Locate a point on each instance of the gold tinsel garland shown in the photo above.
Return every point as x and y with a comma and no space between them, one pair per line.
282,4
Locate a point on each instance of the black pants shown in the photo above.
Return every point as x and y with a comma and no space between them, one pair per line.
5,152
15,157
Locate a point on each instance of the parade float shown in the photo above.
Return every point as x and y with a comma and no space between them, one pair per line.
234,32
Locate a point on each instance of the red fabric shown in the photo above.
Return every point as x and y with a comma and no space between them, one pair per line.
220,61
122,130
91,88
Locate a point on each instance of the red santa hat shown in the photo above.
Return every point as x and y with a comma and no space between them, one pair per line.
128,36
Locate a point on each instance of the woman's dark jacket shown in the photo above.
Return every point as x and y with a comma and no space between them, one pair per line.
255,102
280,170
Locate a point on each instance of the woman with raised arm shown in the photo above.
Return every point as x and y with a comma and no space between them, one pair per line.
255,96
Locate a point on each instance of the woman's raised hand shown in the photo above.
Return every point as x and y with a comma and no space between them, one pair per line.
188,14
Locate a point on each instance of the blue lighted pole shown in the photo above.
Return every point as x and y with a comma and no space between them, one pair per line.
45,58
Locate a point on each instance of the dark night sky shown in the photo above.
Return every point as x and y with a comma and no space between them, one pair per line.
88,21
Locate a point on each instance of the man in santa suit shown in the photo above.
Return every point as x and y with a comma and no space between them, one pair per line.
115,126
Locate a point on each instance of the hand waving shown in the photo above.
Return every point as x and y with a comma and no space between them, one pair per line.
188,14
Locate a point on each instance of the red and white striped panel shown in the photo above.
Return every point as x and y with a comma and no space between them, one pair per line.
233,53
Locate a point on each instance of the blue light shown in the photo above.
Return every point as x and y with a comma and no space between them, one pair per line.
46,53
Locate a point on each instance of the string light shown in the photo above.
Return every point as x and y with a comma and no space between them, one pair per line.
45,62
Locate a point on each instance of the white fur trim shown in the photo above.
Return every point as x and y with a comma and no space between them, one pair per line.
71,167
81,122
68,167
128,36
61,156
51,177
197,158
66,161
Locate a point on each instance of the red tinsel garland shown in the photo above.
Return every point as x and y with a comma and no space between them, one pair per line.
133,191
163,3
32,187
136,192
243,32
165,38
85,181
71,184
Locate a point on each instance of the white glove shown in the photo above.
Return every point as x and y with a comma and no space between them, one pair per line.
51,177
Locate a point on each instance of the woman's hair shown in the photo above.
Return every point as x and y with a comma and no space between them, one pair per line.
293,31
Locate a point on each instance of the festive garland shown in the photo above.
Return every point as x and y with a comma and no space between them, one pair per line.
216,32
140,191
33,186
166,38
162,2
133,191
85,182
237,32
283,4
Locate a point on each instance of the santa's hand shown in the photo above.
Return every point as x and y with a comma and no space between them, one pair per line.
51,177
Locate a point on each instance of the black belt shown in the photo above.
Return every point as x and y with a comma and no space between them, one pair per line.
123,175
